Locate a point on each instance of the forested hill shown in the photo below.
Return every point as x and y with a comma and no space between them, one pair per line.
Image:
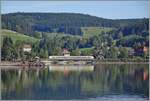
69,23
79,33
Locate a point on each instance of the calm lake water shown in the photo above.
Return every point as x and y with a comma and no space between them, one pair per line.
65,82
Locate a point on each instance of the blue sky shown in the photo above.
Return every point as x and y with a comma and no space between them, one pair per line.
105,9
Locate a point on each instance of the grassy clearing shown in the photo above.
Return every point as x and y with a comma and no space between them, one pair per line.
60,35
86,51
93,31
17,36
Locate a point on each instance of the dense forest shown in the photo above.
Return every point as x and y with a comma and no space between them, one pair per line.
70,23
81,34
52,22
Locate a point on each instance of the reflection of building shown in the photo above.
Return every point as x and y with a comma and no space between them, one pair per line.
65,52
71,67
145,74
27,48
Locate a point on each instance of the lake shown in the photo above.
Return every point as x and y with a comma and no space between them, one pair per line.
101,82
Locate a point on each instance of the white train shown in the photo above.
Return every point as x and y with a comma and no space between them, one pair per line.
71,57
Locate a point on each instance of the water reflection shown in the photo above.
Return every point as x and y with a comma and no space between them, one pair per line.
75,82
71,67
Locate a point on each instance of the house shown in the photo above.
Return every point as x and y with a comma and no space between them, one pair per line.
141,51
65,52
146,50
27,48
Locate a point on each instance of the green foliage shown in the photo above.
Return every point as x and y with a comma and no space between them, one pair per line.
43,53
76,52
69,23
112,53
138,58
12,45
79,33
7,49
86,51
123,52
38,35
130,40
94,31
57,51
15,36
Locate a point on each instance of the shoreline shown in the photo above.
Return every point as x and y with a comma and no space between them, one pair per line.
122,62
8,63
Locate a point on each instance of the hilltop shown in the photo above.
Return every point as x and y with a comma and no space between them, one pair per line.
68,23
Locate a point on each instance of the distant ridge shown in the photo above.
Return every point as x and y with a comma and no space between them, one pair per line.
69,23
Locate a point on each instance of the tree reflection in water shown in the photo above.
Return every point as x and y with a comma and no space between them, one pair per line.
48,83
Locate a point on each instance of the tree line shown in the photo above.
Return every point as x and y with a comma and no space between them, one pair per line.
101,46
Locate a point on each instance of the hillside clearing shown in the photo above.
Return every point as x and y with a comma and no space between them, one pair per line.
94,31
17,36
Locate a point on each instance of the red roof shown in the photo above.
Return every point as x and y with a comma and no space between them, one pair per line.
65,51
27,46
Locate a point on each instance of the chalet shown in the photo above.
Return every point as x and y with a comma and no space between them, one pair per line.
65,52
27,48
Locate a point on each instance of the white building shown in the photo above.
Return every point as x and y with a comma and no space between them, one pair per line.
65,52
27,48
